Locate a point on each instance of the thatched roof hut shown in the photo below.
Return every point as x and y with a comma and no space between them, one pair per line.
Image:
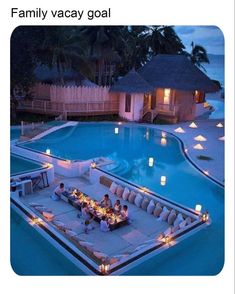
176,72
131,83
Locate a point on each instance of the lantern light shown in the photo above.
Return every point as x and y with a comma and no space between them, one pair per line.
193,125
221,138
163,141
198,147
205,216
219,125
119,123
48,151
151,161
206,172
179,130
198,208
116,130
163,180
200,138
163,134
93,165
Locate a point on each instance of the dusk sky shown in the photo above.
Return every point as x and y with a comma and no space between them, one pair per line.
210,37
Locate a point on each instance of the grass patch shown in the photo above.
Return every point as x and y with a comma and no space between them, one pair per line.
203,157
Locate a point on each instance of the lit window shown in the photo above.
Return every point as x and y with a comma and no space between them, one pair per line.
167,95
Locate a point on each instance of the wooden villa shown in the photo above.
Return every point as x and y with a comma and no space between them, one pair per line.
167,87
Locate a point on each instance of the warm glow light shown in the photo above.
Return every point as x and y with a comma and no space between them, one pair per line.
147,135
219,125
200,138
206,104
179,130
206,172
193,125
198,147
186,150
104,268
163,180
119,123
163,134
116,130
48,151
221,138
93,165
198,208
163,141
151,161
205,216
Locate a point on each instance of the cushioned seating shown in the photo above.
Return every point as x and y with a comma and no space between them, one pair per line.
125,194
145,203
113,187
158,209
188,220
178,219
138,200
171,218
182,224
131,197
48,215
100,255
164,214
105,181
87,245
151,207
70,233
119,191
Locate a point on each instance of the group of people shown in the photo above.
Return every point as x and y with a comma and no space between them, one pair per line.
105,202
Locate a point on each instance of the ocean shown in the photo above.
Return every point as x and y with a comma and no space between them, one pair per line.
215,69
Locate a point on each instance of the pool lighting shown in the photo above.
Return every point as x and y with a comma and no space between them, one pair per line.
219,125
186,150
206,172
119,123
163,141
200,138
163,180
35,221
163,134
48,151
151,161
147,135
193,125
198,208
198,147
179,130
116,130
221,138
205,216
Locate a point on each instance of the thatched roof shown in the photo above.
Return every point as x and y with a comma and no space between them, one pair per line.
131,83
176,72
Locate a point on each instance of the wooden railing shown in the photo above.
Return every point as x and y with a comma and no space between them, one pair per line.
78,107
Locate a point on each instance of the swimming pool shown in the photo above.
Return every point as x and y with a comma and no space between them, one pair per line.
21,165
130,147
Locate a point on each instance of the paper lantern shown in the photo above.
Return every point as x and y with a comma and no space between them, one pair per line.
151,161
219,125
193,125
200,138
198,208
198,147
116,130
179,130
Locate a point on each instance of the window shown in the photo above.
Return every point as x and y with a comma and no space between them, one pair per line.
199,96
167,96
128,103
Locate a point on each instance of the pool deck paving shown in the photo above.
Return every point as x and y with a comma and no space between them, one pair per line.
213,147
121,241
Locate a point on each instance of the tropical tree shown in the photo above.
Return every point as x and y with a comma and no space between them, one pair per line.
198,55
64,49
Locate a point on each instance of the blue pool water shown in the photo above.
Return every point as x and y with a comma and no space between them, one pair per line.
20,165
15,133
131,149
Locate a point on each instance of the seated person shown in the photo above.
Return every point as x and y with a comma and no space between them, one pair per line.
104,225
125,213
117,207
57,192
85,212
106,202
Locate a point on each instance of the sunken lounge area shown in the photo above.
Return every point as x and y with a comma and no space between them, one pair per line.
155,223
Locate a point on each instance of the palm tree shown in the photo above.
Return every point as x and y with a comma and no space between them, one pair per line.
198,55
62,47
